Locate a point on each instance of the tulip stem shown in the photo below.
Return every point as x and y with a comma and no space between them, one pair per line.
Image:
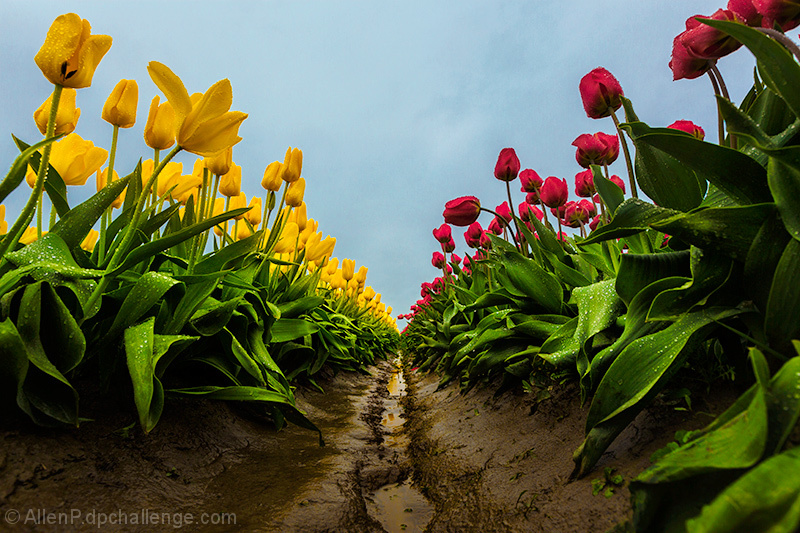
199,240
518,239
122,250
101,252
624,143
783,39
26,215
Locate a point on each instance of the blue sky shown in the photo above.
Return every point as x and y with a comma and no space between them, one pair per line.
398,106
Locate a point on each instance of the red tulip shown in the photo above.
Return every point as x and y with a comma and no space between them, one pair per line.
554,192
454,259
576,214
507,166
689,127
495,226
589,207
486,243
473,235
462,211
618,182
532,198
426,289
438,260
504,211
525,211
695,50
746,11
443,233
598,149
449,246
593,224
784,13
584,184
601,93
530,180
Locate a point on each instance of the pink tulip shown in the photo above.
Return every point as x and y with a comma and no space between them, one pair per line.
530,181
507,166
462,211
443,233
598,149
438,260
425,289
601,93
486,243
584,184
689,127
554,192
438,285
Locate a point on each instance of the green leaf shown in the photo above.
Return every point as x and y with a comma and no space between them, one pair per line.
728,230
631,217
776,64
533,281
767,498
637,271
635,377
148,290
763,257
609,191
781,322
300,306
287,329
662,176
220,259
73,227
784,181
20,165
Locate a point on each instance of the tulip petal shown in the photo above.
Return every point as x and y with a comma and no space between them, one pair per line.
172,87
215,102
63,39
89,56
216,134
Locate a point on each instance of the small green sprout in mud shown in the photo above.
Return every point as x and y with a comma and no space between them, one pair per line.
609,482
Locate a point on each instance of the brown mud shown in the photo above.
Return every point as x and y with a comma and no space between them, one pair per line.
399,456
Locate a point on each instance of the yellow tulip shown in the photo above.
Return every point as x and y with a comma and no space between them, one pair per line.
76,159
254,215
297,215
3,223
148,165
333,266
66,117
184,187
169,176
238,202
30,177
120,107
288,238
102,180
348,268
159,130
294,195
292,165
90,240
361,275
272,179
70,54
206,126
243,232
230,184
220,164
369,293
321,249
30,234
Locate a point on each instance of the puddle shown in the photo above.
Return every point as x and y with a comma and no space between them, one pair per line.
398,506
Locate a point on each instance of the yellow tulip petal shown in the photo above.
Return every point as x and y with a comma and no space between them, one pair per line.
215,135
61,42
172,87
215,102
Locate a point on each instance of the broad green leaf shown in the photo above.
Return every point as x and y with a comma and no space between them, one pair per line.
288,329
784,181
212,318
776,65
763,257
631,217
609,191
767,498
561,348
148,394
533,281
637,271
148,290
781,322
728,230
662,176
13,364
300,306
220,259
245,359
736,174
198,288
635,377
20,165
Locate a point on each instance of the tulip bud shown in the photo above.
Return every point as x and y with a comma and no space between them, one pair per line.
76,159
507,166
295,192
292,165
348,268
230,184
221,163
90,240
361,275
473,235
554,192
449,246
689,127
443,233
438,260
169,176
601,93
120,107
237,202
70,53
597,149
504,211
159,130
495,226
618,182
3,223
254,215
530,181
584,184
746,11
298,215
782,13
66,117
462,211
288,239
273,179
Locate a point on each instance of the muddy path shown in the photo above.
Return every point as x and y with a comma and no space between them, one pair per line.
400,455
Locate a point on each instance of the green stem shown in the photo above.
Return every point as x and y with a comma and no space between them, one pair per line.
199,240
121,251
720,121
26,215
628,162
101,252
518,240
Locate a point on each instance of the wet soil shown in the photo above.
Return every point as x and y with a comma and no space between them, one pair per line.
400,455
